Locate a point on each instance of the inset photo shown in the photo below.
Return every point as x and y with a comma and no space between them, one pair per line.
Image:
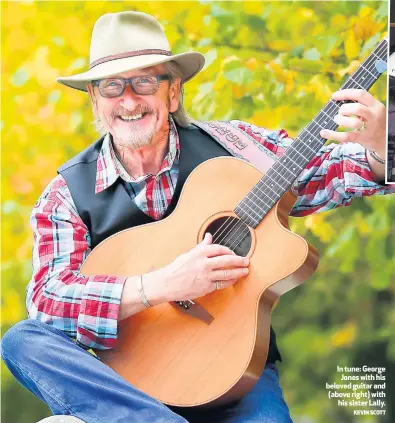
391,99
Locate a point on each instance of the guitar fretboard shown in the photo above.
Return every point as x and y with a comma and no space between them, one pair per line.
280,177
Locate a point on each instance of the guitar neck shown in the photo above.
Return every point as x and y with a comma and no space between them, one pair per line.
280,177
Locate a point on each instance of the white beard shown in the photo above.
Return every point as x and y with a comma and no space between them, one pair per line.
133,141
136,141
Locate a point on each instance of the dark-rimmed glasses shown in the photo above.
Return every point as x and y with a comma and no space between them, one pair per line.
142,85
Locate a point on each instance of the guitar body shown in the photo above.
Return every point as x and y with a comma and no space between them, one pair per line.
179,359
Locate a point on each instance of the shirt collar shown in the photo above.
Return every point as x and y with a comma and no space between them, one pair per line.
109,167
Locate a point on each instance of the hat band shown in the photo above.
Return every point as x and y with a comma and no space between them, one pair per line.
129,54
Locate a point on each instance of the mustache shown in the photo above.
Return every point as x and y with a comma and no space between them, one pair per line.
136,111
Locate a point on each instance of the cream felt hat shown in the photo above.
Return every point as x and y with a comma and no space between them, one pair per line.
127,41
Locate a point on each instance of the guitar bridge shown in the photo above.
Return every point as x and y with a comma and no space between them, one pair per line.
194,310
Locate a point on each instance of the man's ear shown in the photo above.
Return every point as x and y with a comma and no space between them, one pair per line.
92,96
174,95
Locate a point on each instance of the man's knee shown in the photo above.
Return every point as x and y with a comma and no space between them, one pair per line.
21,339
61,419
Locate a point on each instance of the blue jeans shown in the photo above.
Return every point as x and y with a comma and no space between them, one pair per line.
72,381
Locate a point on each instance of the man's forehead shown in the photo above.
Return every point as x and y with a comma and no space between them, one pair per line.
151,70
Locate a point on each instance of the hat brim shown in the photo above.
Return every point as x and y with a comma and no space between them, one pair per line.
190,63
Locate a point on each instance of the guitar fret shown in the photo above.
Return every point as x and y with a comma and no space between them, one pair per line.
287,170
246,203
318,124
314,136
356,83
258,209
305,154
273,169
337,103
297,152
362,66
275,192
330,117
274,182
261,187
374,54
282,175
285,158
309,147
245,216
259,198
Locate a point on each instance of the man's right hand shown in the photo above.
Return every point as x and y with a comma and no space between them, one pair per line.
195,273
189,276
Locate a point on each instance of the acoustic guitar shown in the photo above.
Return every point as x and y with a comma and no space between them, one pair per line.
212,350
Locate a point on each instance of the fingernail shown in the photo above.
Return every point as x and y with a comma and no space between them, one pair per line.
246,260
245,271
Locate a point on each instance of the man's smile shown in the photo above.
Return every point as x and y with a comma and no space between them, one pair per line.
129,118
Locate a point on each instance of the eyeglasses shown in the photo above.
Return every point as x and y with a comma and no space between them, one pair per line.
143,85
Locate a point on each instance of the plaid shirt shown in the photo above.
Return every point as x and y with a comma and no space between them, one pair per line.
151,193
87,308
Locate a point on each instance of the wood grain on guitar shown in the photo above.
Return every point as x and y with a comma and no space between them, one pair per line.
180,358
177,358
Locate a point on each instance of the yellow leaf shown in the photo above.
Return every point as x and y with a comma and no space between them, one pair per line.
253,7
338,21
252,64
274,119
320,227
13,308
280,45
40,69
349,69
278,71
238,91
352,46
345,336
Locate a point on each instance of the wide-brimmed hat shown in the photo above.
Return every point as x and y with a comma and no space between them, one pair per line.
127,41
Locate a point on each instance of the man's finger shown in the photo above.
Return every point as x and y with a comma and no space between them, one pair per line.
350,136
224,284
355,109
228,274
362,96
215,250
225,261
348,122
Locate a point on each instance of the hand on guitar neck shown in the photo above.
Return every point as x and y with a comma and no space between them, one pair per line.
367,117
189,276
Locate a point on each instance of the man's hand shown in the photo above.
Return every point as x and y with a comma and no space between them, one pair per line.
367,111
194,274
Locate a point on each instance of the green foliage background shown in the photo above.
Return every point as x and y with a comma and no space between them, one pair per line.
271,63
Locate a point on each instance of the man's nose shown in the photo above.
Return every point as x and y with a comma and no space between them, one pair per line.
129,97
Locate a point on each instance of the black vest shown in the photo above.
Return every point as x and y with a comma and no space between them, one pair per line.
113,210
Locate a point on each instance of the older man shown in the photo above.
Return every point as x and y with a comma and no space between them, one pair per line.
131,176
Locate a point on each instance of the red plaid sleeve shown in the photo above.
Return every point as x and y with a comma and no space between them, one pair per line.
337,174
85,308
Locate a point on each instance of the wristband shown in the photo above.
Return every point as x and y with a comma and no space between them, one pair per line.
376,157
140,289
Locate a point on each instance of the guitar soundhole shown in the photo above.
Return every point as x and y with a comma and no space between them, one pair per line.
231,232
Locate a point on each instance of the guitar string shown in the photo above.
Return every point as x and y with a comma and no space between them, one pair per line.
330,109
366,62
245,230
331,103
